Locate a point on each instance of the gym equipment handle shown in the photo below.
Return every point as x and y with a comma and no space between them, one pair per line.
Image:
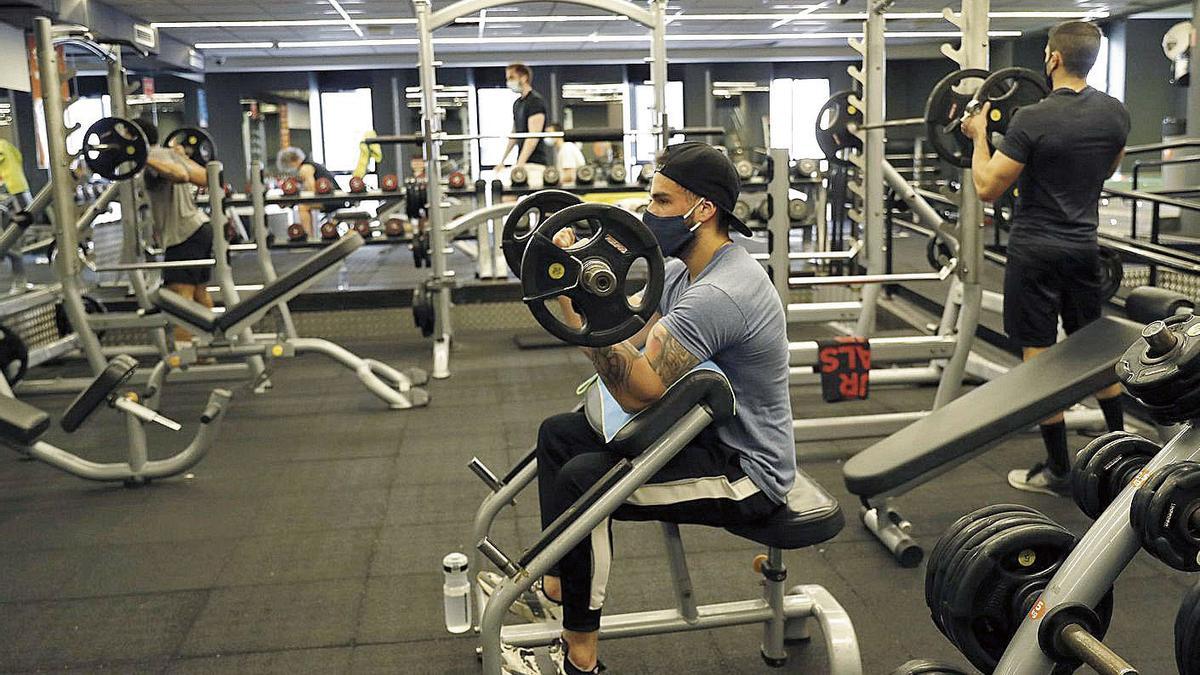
1085,647
145,414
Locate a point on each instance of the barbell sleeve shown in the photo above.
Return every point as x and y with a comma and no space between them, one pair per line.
1085,647
506,565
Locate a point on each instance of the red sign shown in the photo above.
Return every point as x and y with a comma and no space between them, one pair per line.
148,86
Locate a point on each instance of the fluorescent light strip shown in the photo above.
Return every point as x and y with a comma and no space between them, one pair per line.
576,39
234,45
349,22
825,16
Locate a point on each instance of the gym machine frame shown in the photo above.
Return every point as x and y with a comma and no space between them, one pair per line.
428,21
946,352
785,615
59,195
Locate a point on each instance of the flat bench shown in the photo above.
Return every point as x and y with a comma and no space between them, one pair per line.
200,317
1058,378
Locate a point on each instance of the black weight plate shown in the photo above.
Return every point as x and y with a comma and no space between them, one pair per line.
1093,483
1112,272
943,115
424,314
966,545
928,667
936,248
946,543
619,239
1163,512
114,148
833,127
1168,387
1008,90
982,613
14,355
118,371
520,222
196,144
1187,633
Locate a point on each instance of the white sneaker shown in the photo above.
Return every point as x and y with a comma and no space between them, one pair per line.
534,605
1040,479
549,660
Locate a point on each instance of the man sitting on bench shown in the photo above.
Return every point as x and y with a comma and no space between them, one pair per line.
718,304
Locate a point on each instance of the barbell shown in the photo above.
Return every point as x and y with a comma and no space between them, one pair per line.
951,100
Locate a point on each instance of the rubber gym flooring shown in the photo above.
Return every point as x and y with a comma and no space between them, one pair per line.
310,539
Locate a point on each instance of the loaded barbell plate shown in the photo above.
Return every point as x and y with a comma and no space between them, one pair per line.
115,148
619,240
531,211
944,109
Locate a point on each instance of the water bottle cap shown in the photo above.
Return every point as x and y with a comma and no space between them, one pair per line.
454,562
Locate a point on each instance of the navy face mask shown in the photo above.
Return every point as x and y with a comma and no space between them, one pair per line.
672,232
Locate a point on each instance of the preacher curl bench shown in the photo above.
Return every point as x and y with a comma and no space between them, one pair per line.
652,437
21,425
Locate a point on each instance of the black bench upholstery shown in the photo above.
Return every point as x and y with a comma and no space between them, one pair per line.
20,422
205,319
1058,378
810,516
699,387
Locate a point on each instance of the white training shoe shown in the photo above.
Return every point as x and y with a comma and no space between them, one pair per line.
534,605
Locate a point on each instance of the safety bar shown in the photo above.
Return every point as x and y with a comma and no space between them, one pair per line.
1166,145
862,279
160,265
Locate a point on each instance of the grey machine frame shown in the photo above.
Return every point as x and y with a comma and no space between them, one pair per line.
441,280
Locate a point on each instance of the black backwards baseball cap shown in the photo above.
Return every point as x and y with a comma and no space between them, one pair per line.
706,171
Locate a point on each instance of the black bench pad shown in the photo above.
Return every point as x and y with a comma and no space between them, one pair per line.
202,317
810,516
698,387
1058,378
20,422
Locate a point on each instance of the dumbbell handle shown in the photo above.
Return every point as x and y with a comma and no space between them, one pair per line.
1085,647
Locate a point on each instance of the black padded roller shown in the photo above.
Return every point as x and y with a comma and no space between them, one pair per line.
115,374
1147,304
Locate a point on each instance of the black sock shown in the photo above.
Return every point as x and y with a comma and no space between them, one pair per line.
1114,413
1055,438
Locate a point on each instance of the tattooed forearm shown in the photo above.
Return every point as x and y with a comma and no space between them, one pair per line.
667,357
614,364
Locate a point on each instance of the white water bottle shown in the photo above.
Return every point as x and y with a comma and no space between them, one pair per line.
455,590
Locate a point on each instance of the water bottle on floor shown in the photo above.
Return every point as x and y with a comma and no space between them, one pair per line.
455,590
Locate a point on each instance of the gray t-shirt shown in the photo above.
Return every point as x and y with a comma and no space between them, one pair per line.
732,315
176,216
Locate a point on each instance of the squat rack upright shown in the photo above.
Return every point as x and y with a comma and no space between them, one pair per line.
441,281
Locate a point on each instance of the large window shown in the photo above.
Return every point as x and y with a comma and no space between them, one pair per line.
345,120
794,108
495,119
642,117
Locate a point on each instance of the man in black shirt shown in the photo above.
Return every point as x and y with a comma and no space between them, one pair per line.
529,116
1059,152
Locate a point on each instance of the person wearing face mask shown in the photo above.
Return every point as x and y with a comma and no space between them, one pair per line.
529,116
565,156
718,304
1059,152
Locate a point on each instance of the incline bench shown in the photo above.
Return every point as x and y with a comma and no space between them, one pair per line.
651,438
222,327
1066,373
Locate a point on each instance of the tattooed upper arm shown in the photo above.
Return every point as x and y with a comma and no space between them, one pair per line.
670,359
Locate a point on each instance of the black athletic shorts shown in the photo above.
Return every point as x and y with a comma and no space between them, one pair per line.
196,247
1042,283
